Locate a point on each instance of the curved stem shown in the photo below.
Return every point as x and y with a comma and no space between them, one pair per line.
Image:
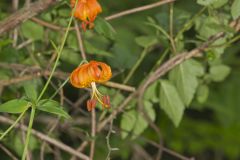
59,88
143,54
65,82
29,130
189,23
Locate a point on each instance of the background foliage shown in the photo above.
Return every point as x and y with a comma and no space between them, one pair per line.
196,105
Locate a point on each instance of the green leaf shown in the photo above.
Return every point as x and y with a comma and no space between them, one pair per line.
30,88
5,42
235,9
15,106
202,93
32,30
219,3
93,50
70,56
151,92
224,100
141,123
15,142
219,72
133,121
104,28
213,3
146,41
53,107
170,102
196,68
128,121
185,80
205,2
208,26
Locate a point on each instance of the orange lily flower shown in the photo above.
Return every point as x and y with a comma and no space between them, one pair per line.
87,11
87,75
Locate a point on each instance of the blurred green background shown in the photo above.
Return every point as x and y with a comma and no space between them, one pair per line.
210,126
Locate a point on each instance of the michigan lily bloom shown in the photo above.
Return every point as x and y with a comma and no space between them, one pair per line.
86,76
86,11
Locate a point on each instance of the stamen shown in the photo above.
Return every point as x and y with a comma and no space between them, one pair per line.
103,99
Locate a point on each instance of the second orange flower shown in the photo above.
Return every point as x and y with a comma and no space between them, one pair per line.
87,11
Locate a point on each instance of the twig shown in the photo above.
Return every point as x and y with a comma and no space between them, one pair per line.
235,24
24,44
50,25
80,41
171,28
141,153
37,7
138,9
27,3
15,4
120,86
110,149
93,134
43,137
9,153
24,14
169,151
28,77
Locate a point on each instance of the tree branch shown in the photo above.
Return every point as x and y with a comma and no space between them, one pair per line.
138,9
24,14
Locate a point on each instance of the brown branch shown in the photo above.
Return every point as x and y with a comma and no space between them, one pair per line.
47,139
60,28
80,148
15,4
141,153
169,151
47,24
24,14
120,86
8,152
138,9
80,40
93,134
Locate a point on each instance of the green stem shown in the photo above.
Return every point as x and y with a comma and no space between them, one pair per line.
59,51
171,29
158,27
160,59
29,130
12,126
189,24
143,54
59,88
